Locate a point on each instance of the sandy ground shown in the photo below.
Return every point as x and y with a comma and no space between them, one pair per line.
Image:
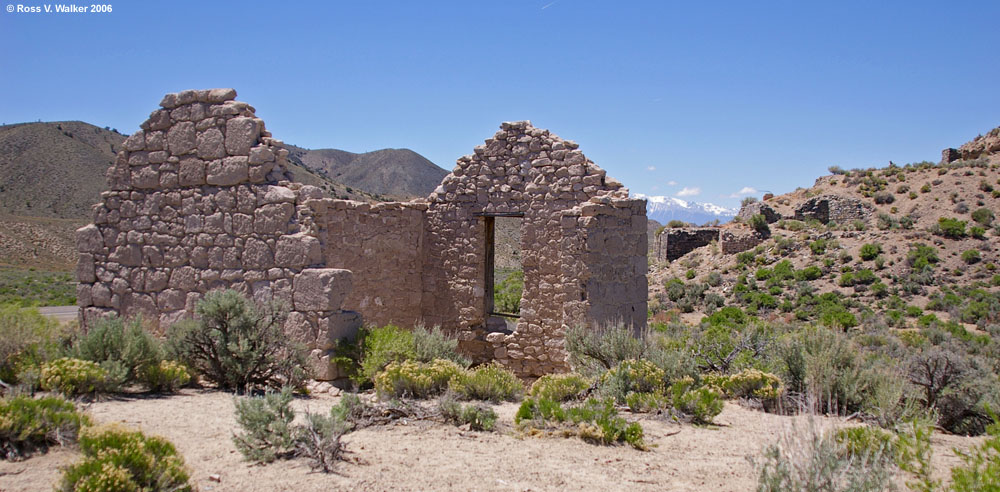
431,456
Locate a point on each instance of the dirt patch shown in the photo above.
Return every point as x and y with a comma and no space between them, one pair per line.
431,456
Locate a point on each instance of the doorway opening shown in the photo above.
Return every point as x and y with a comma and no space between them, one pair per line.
504,274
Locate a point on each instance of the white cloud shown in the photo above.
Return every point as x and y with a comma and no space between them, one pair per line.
689,191
746,190
671,183
650,168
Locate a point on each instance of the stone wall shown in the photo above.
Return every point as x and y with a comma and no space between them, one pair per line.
758,208
737,240
834,208
674,243
200,199
383,245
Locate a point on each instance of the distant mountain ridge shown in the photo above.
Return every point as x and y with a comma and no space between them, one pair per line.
397,173
663,209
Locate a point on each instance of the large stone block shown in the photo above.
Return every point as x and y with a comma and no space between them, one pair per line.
241,134
273,219
85,271
191,172
227,172
257,255
211,144
89,239
320,289
298,250
339,326
181,138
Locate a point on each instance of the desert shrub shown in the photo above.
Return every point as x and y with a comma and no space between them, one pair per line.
73,376
318,440
416,379
507,293
165,377
981,465
884,197
379,346
477,416
913,448
846,279
879,289
237,345
714,279
27,339
818,246
814,461
921,255
926,188
809,273
487,382
953,384
558,387
703,404
971,256
119,459
122,348
266,424
594,351
950,228
594,421
864,277
961,208
829,369
759,223
748,383
866,440
674,224
869,251
432,344
983,216
632,376
28,424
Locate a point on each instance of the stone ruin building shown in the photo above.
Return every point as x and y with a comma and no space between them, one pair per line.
200,198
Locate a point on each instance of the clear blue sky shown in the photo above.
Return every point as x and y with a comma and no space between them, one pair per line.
713,96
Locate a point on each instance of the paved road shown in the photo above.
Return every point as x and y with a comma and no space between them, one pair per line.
61,313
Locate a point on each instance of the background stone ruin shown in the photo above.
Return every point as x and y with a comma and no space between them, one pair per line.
200,199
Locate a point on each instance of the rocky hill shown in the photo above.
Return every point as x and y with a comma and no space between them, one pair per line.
397,173
898,243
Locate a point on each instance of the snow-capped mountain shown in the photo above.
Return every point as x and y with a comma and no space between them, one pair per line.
663,209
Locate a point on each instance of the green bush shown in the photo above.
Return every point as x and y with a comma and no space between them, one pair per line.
951,228
488,382
507,293
319,440
594,351
73,376
238,346
818,246
977,232
869,251
266,423
27,340
983,216
122,460
981,466
921,255
759,223
558,387
379,347
594,421
814,461
28,424
429,345
477,416
748,383
971,256
703,404
416,379
632,376
165,377
124,349
863,440
809,273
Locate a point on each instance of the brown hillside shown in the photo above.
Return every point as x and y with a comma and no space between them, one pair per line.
907,204
400,173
